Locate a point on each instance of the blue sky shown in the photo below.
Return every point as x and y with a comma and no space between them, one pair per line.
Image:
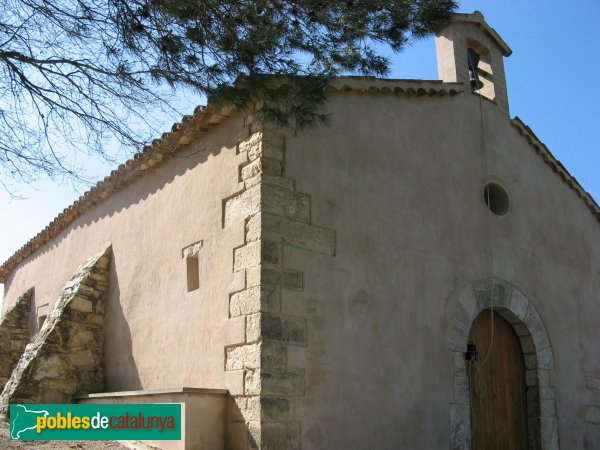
551,77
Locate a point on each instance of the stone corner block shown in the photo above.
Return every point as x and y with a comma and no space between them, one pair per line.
592,414
191,250
282,382
285,330
280,435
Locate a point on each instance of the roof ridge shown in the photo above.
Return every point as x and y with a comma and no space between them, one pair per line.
476,17
418,88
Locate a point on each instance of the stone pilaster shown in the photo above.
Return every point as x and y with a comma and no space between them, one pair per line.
15,331
66,357
275,216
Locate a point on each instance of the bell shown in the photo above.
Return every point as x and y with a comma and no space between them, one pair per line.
473,59
474,81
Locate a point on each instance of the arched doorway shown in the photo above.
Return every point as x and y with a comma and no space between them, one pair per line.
496,371
513,306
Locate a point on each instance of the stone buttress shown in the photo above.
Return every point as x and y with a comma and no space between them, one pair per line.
15,332
66,357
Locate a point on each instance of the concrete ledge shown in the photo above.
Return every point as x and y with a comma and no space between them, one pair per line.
181,390
203,414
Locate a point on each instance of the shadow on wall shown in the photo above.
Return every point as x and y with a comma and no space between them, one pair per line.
237,433
33,328
141,188
120,370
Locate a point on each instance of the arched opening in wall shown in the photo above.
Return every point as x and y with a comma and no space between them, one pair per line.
527,325
497,390
484,70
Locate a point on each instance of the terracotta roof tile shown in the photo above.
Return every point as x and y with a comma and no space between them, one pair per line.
556,165
150,157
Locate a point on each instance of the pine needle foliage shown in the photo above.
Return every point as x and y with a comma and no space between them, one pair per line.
77,73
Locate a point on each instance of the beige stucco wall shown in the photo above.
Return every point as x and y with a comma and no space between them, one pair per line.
157,334
400,179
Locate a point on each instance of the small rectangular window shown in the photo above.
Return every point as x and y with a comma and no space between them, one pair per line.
192,262
42,312
193,273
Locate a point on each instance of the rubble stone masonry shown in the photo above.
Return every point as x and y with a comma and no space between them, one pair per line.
15,331
66,357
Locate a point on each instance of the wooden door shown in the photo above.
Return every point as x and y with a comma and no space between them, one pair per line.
497,386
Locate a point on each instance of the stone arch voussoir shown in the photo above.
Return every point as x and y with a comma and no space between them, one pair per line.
508,301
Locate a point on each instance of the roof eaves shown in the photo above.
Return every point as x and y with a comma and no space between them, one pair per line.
185,132
152,156
478,19
556,166
373,85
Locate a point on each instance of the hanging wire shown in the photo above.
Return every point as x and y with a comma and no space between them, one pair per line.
489,240
479,387
476,85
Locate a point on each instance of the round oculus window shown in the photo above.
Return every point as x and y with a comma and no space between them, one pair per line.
496,198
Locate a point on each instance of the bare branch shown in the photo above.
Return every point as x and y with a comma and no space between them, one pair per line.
76,74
